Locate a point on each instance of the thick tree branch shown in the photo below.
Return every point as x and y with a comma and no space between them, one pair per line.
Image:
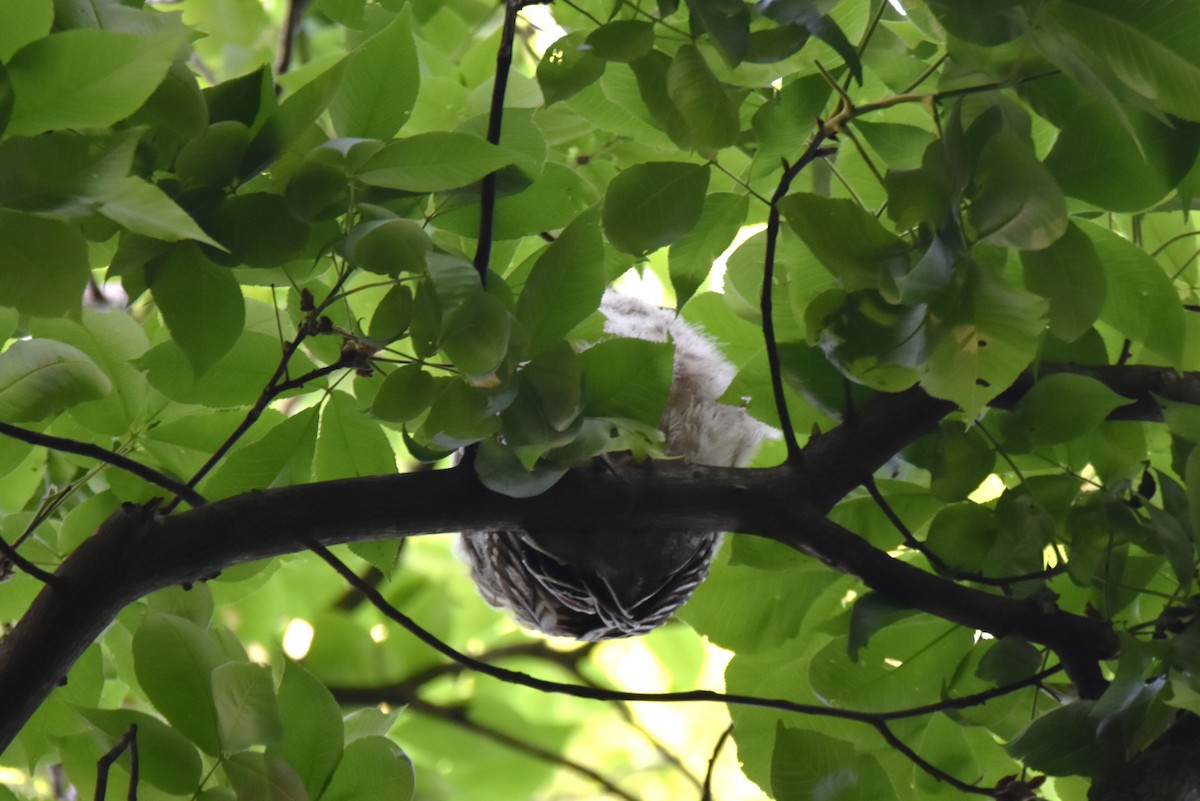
136,552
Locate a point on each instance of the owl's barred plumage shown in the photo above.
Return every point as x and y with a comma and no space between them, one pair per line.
626,583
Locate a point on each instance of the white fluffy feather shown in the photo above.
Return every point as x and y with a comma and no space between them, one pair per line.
697,427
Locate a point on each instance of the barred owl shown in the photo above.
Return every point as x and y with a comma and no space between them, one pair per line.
622,583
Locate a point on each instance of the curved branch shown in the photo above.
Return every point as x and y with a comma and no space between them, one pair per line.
64,445
136,552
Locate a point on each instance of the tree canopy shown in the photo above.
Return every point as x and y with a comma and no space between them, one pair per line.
266,268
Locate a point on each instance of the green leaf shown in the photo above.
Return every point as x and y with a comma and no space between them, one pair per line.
282,457
476,338
62,172
292,118
628,378
1070,276
24,21
86,78
727,22
433,162
349,444
1016,202
1064,742
549,399
257,229
849,241
1121,166
201,304
653,204
808,765
45,264
389,247
550,202
691,257
500,470
236,380
40,377
988,340
567,67
372,769
1141,303
380,86
214,157
621,40
392,316
405,393
1148,47
964,458
145,209
312,728
247,714
1061,407
112,341
565,284
871,613
459,416
174,660
254,775
694,90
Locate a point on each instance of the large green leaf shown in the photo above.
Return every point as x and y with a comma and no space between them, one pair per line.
201,304
567,67
145,209
1141,302
1097,158
628,378
247,713
24,21
565,284
292,118
174,660
86,78
380,85
1061,407
372,769
710,116
112,341
988,340
312,727
282,457
433,162
808,765
849,241
349,444
1070,276
45,264
691,258
1148,46
653,204
1015,201
727,22
41,377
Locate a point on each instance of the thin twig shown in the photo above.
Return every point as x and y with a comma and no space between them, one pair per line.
455,717
706,792
812,152
602,694
938,564
487,192
107,456
934,771
10,554
128,741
